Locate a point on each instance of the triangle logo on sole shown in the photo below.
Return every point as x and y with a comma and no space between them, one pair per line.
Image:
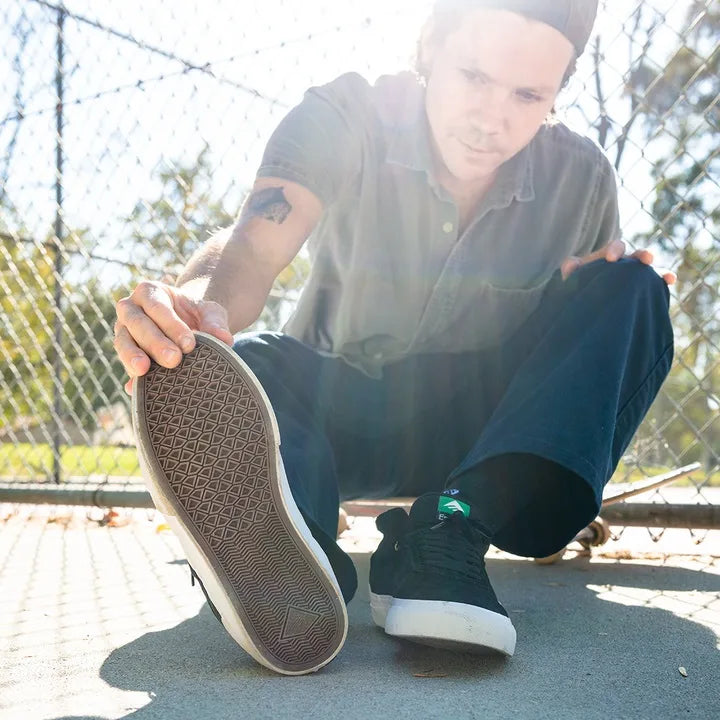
297,622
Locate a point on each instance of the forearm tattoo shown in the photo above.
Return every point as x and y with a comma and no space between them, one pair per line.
268,203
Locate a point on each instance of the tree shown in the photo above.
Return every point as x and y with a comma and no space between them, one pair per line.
167,230
26,278
89,371
672,111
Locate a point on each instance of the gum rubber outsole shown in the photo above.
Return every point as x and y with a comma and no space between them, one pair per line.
209,445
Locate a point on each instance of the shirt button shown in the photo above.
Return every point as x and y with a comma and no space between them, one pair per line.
448,227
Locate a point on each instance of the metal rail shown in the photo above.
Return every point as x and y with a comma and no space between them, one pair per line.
115,495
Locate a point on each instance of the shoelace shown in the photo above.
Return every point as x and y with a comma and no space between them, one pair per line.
193,577
438,547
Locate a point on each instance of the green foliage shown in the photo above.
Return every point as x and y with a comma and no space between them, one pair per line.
89,372
32,461
95,374
167,230
678,108
26,315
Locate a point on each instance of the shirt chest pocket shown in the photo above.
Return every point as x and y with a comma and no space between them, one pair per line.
480,314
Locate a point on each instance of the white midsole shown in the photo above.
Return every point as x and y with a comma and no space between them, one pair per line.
450,622
196,557
379,606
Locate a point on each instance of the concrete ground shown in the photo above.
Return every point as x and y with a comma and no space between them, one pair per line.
98,620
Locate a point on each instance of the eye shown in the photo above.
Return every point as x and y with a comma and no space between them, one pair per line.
528,96
471,75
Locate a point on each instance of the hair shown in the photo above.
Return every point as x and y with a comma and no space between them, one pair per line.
444,19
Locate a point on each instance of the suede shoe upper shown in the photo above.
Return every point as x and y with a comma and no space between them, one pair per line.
442,555
386,561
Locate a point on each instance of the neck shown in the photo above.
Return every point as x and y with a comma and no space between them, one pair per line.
465,194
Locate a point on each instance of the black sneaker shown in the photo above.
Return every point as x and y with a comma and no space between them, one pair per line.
386,563
442,596
208,444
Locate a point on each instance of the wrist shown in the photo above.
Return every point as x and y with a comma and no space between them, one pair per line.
194,288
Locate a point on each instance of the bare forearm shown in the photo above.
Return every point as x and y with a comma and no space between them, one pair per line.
228,271
237,267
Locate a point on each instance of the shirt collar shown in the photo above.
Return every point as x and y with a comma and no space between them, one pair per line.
409,146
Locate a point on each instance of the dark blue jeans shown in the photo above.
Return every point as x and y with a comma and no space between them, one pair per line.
571,386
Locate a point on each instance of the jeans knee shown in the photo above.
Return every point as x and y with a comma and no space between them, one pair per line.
631,277
248,342
631,272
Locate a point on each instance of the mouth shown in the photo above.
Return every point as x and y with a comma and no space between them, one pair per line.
476,150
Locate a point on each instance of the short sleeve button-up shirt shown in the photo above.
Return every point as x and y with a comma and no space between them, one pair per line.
391,275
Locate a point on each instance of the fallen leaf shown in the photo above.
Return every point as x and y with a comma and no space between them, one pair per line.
161,527
114,519
682,671
63,520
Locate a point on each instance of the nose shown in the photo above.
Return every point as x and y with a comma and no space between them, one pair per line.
488,113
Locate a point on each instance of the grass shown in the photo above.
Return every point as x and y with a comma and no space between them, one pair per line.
34,462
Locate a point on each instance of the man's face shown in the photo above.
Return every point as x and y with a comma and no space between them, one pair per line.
490,86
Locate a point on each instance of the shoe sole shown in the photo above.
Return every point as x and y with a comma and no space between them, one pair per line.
209,442
379,606
457,626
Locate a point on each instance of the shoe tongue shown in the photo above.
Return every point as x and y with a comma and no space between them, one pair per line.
434,507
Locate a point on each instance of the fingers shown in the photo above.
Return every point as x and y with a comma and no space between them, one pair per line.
156,322
569,265
157,304
611,252
644,256
214,321
153,328
614,251
134,360
145,334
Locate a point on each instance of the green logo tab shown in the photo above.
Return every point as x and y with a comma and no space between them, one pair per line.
448,505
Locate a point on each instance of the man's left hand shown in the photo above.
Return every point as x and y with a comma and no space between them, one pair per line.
612,252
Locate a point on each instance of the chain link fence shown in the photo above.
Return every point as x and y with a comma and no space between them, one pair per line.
129,132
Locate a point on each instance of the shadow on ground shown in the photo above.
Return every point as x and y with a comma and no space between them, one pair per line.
594,640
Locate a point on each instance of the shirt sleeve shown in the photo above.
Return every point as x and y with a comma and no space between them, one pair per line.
606,216
319,143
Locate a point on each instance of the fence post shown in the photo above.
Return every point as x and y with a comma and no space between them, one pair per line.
57,335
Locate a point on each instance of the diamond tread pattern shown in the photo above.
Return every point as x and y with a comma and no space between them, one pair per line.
210,434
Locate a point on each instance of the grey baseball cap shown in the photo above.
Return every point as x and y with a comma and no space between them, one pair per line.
573,18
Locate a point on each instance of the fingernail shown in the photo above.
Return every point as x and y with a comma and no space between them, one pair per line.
187,344
169,354
137,363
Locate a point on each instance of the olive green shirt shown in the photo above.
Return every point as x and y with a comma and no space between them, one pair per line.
391,274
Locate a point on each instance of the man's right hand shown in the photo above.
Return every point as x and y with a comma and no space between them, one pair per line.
156,321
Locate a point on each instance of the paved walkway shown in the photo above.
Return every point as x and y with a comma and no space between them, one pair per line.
100,621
